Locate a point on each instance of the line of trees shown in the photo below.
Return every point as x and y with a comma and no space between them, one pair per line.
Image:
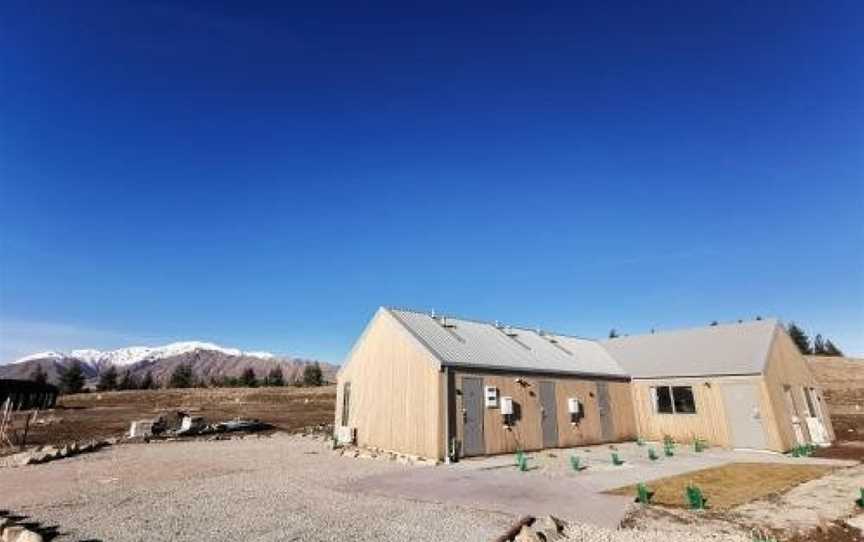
818,347
73,380
183,376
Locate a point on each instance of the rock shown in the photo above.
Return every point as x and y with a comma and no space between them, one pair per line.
29,536
3,523
112,441
49,453
549,527
527,534
12,533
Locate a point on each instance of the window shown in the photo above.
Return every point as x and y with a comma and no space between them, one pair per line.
673,399
682,397
663,402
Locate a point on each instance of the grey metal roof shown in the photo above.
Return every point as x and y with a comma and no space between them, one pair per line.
726,349
467,343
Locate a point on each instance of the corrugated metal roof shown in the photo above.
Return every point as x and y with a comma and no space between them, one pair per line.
467,343
725,349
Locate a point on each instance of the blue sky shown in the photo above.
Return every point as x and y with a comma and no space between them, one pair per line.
265,175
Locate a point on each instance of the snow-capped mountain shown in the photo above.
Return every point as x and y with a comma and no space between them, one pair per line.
208,360
123,357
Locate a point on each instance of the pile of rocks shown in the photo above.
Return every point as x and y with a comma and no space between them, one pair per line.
384,455
44,454
10,532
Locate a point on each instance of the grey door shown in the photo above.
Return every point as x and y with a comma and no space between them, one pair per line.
472,415
744,415
604,405
548,415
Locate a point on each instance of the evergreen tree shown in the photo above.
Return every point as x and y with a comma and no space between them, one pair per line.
831,350
613,333
312,375
758,318
39,375
147,383
275,378
714,323
802,341
818,346
248,379
182,377
108,379
72,378
128,381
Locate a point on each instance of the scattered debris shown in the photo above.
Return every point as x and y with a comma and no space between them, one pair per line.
187,425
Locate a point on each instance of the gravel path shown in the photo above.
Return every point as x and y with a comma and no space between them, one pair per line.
279,488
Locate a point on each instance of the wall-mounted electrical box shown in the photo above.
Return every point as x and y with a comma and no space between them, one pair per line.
491,397
507,406
573,406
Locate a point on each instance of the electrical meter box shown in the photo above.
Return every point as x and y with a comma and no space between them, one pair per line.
491,397
573,406
507,406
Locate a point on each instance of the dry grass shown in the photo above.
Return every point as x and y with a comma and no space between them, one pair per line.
108,414
730,485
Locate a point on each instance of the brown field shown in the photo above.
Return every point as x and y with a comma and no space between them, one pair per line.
842,380
108,414
730,485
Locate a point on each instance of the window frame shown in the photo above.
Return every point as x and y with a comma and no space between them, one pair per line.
670,390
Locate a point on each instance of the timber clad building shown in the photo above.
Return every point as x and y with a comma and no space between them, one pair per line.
441,387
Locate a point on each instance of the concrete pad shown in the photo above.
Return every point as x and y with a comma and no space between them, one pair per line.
507,491
551,486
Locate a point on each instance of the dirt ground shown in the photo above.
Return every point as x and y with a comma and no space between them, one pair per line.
108,414
730,485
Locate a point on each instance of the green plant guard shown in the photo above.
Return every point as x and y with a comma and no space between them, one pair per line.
643,496
617,461
860,500
640,441
695,499
699,445
669,451
521,460
575,462
652,454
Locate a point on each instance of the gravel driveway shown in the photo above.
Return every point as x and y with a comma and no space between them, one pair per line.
279,488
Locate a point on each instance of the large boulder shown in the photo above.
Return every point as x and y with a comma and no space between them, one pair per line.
12,533
29,536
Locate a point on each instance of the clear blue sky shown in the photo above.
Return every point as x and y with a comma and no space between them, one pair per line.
265,175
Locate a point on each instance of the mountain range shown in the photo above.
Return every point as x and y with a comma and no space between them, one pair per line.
207,360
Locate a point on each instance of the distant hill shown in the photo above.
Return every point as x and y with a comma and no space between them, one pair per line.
208,361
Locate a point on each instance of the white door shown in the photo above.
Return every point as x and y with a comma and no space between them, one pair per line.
793,415
744,415
818,433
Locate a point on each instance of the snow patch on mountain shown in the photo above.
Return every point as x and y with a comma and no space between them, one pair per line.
134,354
42,355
